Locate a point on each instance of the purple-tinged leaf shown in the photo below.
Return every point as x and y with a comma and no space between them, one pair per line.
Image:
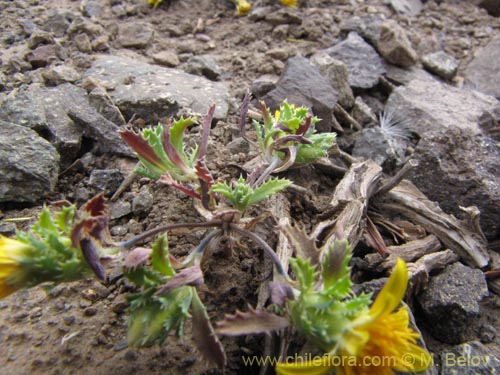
189,276
282,127
203,172
168,180
255,174
265,112
142,147
280,293
290,138
206,124
90,254
251,322
137,257
303,128
243,113
290,156
171,151
96,206
204,335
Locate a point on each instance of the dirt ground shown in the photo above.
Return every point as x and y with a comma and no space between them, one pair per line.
81,327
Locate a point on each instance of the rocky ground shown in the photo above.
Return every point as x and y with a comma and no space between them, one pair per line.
73,72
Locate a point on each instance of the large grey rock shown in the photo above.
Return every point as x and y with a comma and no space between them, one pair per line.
29,165
394,45
368,26
154,92
337,74
62,115
363,63
401,76
471,358
302,84
430,105
483,72
450,303
441,64
458,169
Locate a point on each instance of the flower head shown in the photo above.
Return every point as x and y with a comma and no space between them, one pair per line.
377,342
12,253
289,3
242,7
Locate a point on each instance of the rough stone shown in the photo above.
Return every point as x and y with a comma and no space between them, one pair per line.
135,35
430,105
154,92
204,65
367,26
411,8
303,85
362,113
166,58
60,74
93,8
83,25
458,169
451,302
483,72
381,146
25,108
401,76
471,358
119,209
102,103
142,202
363,63
82,42
394,45
441,64
262,85
336,72
238,145
40,37
58,23
105,180
29,165
42,56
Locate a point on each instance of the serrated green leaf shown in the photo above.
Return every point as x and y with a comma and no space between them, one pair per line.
160,259
267,189
306,274
177,134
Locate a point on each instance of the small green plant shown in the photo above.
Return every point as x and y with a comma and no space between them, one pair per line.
289,138
320,304
60,247
346,335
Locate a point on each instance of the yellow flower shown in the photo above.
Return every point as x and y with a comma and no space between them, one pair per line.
11,271
376,343
289,3
242,7
154,3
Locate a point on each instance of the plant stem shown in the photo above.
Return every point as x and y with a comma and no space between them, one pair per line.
267,249
267,172
197,253
135,240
